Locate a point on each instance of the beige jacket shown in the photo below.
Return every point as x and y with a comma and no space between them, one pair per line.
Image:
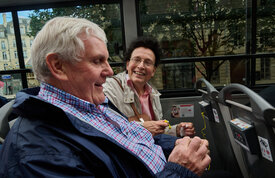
122,99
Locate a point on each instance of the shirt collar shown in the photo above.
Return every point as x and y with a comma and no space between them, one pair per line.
52,94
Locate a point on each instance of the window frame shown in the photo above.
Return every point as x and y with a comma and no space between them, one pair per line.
250,53
26,6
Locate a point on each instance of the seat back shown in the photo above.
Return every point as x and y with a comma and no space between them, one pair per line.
5,112
252,129
216,123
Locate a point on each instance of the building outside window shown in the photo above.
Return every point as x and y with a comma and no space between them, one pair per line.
2,34
193,34
3,45
22,30
15,54
24,43
106,15
195,28
265,68
207,29
25,54
8,55
11,30
14,43
4,55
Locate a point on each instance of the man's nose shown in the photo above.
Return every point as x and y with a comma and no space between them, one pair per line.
108,71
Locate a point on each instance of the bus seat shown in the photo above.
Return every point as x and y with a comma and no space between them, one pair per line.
212,114
5,112
269,94
252,130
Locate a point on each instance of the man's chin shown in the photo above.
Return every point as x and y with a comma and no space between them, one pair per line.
99,100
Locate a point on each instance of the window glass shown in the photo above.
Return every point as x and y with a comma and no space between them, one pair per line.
265,26
24,43
15,54
25,54
7,39
32,82
173,77
2,33
10,84
22,30
194,28
224,72
13,43
265,72
106,16
3,45
118,69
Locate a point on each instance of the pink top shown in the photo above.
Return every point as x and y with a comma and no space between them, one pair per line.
144,99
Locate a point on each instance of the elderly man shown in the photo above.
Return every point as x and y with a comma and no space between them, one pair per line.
67,127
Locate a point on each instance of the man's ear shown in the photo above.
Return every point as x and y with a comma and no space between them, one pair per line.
56,66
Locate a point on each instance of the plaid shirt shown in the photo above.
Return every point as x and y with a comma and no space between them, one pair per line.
129,134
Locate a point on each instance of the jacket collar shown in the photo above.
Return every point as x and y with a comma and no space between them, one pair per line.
27,104
128,93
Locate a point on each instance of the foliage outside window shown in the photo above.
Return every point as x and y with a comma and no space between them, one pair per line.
265,26
106,16
196,28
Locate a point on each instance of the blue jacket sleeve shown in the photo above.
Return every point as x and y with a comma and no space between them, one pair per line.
172,170
167,143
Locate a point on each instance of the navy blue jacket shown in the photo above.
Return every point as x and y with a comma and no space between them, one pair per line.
3,101
45,141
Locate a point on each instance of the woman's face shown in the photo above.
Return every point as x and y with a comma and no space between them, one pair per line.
141,67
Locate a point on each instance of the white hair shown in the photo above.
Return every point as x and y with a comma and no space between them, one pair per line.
61,35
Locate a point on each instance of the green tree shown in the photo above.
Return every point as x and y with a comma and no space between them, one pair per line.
209,26
265,26
106,16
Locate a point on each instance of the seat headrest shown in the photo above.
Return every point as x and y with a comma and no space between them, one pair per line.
5,111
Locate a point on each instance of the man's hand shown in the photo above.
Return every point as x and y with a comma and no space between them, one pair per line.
155,127
191,153
188,129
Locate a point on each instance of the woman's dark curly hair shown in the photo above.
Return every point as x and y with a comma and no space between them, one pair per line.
146,42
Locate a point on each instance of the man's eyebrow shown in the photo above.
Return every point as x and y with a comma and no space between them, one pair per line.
99,57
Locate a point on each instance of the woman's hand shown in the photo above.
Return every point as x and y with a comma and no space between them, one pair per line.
188,129
155,127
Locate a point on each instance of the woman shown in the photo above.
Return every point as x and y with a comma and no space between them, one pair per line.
131,86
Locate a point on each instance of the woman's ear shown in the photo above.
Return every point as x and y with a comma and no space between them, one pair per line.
56,66
154,71
127,64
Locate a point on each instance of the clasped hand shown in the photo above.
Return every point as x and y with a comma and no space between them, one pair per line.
191,153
